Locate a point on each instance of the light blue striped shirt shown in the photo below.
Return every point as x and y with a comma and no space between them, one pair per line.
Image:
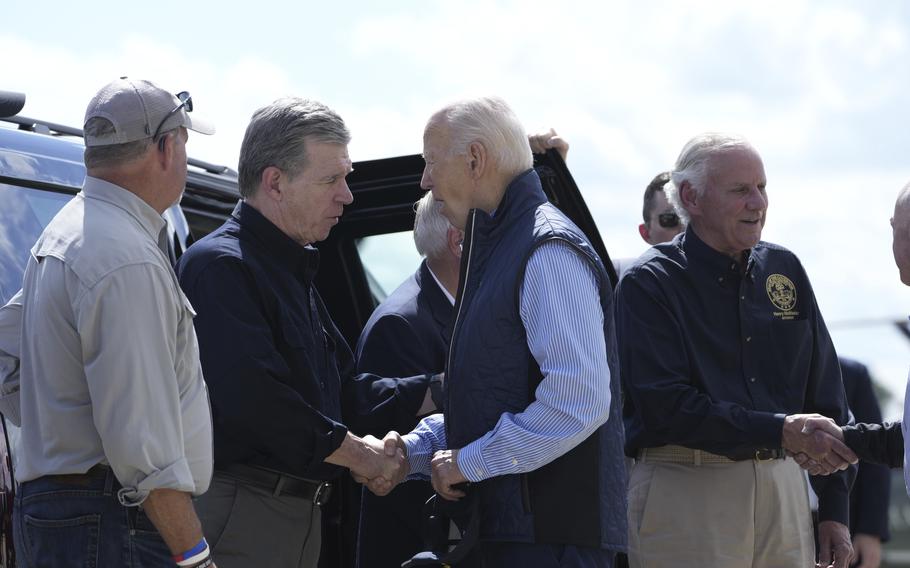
563,318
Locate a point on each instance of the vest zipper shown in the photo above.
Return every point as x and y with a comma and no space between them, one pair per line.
468,246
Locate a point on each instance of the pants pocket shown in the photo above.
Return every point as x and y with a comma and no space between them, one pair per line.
62,543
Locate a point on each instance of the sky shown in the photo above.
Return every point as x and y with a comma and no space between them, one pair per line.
817,87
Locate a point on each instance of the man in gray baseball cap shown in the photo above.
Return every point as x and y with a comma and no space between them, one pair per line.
116,429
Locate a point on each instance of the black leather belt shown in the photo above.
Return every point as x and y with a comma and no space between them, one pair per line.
280,483
763,454
97,471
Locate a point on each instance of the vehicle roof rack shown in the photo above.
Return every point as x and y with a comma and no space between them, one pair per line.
54,129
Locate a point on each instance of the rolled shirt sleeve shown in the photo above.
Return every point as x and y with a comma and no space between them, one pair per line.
127,324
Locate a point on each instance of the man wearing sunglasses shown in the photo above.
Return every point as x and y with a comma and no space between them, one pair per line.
116,430
661,222
723,354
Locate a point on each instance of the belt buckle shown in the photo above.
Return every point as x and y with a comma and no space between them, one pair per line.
764,454
323,491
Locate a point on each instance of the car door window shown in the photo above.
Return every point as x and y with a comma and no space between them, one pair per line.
24,213
388,260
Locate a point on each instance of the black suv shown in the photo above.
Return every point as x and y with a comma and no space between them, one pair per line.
366,254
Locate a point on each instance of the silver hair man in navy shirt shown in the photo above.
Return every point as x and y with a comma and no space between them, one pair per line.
724,354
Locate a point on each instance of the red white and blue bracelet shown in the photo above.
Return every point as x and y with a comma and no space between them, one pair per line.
195,556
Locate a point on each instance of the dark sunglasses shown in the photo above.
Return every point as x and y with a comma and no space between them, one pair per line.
668,220
186,101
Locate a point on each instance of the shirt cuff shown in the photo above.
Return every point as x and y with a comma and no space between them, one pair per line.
768,428
425,439
419,456
176,476
470,462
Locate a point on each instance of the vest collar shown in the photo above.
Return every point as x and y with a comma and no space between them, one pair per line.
523,193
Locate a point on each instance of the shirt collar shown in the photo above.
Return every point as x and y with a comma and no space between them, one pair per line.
713,260
299,259
149,219
449,297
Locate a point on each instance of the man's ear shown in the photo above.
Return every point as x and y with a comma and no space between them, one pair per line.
478,160
270,183
689,197
644,232
165,154
454,237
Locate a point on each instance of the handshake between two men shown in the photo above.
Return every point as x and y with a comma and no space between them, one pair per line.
816,443
385,465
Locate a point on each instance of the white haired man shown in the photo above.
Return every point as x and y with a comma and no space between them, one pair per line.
723,349
532,416
406,335
116,431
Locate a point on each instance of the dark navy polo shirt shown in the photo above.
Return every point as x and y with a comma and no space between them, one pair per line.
715,354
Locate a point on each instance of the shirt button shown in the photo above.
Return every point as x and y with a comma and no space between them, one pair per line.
748,339
751,379
742,297
721,279
478,472
514,461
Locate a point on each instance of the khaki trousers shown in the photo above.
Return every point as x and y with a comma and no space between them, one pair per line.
747,514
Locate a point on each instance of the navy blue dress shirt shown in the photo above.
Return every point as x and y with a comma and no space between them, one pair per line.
872,490
278,370
715,354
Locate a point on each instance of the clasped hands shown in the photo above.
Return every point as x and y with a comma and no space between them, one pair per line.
390,467
816,443
383,465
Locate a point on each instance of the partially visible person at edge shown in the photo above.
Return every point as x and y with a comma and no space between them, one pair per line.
873,441
406,334
409,333
870,495
532,404
723,352
278,369
116,431
661,222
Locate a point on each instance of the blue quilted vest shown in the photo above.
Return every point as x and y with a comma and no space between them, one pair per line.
580,498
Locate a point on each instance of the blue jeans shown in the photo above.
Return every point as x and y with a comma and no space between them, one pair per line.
70,521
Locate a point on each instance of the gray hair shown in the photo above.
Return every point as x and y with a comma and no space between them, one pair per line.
490,121
113,154
277,134
692,165
430,228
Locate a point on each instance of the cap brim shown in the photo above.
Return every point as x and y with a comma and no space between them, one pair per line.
199,124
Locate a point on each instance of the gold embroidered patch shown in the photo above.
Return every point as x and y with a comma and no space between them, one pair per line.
782,293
